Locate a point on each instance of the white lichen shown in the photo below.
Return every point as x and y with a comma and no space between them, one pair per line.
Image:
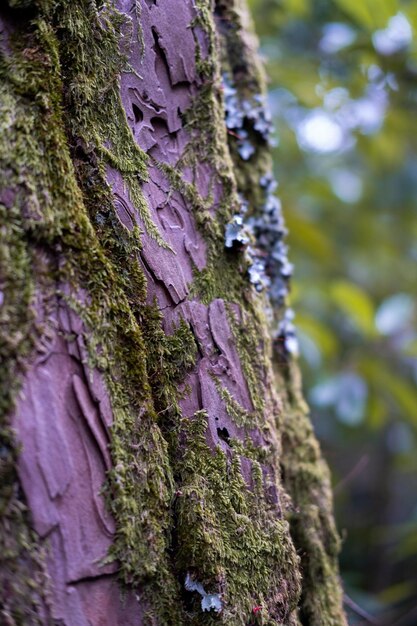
209,601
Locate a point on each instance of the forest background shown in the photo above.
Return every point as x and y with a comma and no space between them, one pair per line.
343,95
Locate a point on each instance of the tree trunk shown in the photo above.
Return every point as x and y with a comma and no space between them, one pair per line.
157,461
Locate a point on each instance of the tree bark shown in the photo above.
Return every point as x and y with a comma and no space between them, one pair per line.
157,462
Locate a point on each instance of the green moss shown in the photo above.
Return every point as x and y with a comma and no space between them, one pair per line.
21,562
239,415
223,277
248,337
229,537
239,46
240,62
93,96
23,592
307,481
204,121
207,66
169,357
199,205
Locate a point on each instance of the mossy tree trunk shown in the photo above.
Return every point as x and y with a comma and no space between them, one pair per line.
157,461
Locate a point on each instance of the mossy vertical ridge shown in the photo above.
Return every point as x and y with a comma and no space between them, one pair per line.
305,473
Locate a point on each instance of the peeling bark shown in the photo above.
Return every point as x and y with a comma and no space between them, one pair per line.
152,424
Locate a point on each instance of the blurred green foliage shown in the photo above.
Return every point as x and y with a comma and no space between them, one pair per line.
343,93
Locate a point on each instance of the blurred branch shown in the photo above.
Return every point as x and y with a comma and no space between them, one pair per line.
359,611
354,472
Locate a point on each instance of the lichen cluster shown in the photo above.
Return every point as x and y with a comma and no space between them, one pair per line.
180,508
258,226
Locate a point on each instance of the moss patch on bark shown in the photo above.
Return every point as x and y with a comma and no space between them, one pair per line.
229,537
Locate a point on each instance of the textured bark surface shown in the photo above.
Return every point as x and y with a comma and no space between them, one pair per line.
157,458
